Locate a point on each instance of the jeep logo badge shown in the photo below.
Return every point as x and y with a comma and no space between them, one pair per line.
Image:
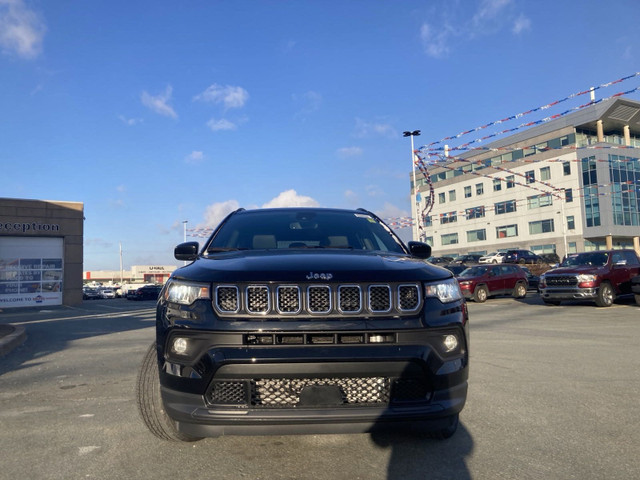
319,276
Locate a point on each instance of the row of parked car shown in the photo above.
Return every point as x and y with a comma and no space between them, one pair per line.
519,256
599,276
144,292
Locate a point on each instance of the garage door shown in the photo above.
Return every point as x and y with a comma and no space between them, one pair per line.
31,271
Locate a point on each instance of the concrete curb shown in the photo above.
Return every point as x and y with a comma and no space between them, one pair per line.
13,337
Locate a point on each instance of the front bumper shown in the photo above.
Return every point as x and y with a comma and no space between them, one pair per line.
569,293
279,389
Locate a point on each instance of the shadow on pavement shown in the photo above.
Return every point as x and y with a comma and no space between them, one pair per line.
51,329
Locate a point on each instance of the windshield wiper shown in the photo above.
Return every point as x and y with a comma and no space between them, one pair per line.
223,249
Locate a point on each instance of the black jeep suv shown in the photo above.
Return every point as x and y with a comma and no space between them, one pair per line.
305,321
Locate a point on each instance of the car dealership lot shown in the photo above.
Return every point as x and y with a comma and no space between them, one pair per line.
553,394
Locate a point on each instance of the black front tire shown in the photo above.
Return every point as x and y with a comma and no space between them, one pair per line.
520,290
150,403
606,295
481,294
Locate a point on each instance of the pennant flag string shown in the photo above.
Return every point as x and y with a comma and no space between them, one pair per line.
544,107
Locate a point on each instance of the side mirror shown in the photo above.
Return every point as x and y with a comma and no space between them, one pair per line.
187,251
420,249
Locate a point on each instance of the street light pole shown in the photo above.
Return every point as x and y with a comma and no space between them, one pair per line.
415,206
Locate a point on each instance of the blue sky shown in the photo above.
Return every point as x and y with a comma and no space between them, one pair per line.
156,112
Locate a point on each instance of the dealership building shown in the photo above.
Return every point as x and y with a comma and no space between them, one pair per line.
569,185
40,252
137,274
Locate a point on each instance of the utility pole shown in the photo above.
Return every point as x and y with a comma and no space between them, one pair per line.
415,208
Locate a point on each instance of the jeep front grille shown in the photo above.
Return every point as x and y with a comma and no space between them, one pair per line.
286,392
327,300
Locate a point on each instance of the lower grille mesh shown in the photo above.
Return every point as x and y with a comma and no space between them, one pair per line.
285,392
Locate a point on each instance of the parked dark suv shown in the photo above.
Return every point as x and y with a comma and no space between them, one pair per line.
521,257
305,321
148,292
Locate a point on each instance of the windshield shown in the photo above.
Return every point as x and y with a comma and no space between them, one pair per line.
474,272
304,229
597,259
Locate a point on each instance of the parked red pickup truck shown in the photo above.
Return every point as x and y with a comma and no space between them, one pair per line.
600,276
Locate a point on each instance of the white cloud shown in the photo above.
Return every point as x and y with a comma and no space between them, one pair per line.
368,129
121,188
374,191
222,124
351,198
390,211
21,29
216,212
435,42
290,198
194,158
522,24
309,102
228,95
160,103
349,152
489,10
130,122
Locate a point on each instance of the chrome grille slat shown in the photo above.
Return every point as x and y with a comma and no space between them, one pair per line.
314,300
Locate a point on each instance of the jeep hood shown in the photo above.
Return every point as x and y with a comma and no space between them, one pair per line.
309,266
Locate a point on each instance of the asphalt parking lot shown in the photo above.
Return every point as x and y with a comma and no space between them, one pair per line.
553,394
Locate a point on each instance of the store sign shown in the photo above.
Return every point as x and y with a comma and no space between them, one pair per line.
27,227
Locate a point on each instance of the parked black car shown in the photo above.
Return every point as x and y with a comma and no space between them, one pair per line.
440,260
148,292
532,279
305,320
521,257
550,258
456,268
90,293
470,259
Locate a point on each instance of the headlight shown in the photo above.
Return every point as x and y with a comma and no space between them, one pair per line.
185,293
446,291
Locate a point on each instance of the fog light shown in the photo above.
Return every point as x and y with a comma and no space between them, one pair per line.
450,343
180,345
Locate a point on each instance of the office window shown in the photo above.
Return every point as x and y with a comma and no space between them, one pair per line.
507,231
441,198
572,247
428,240
545,173
449,239
541,226
505,207
479,188
566,168
568,195
497,185
452,195
476,235
474,212
511,182
571,222
530,176
449,217
537,201
467,192
428,220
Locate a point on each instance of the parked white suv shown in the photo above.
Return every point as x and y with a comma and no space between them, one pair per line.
493,257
